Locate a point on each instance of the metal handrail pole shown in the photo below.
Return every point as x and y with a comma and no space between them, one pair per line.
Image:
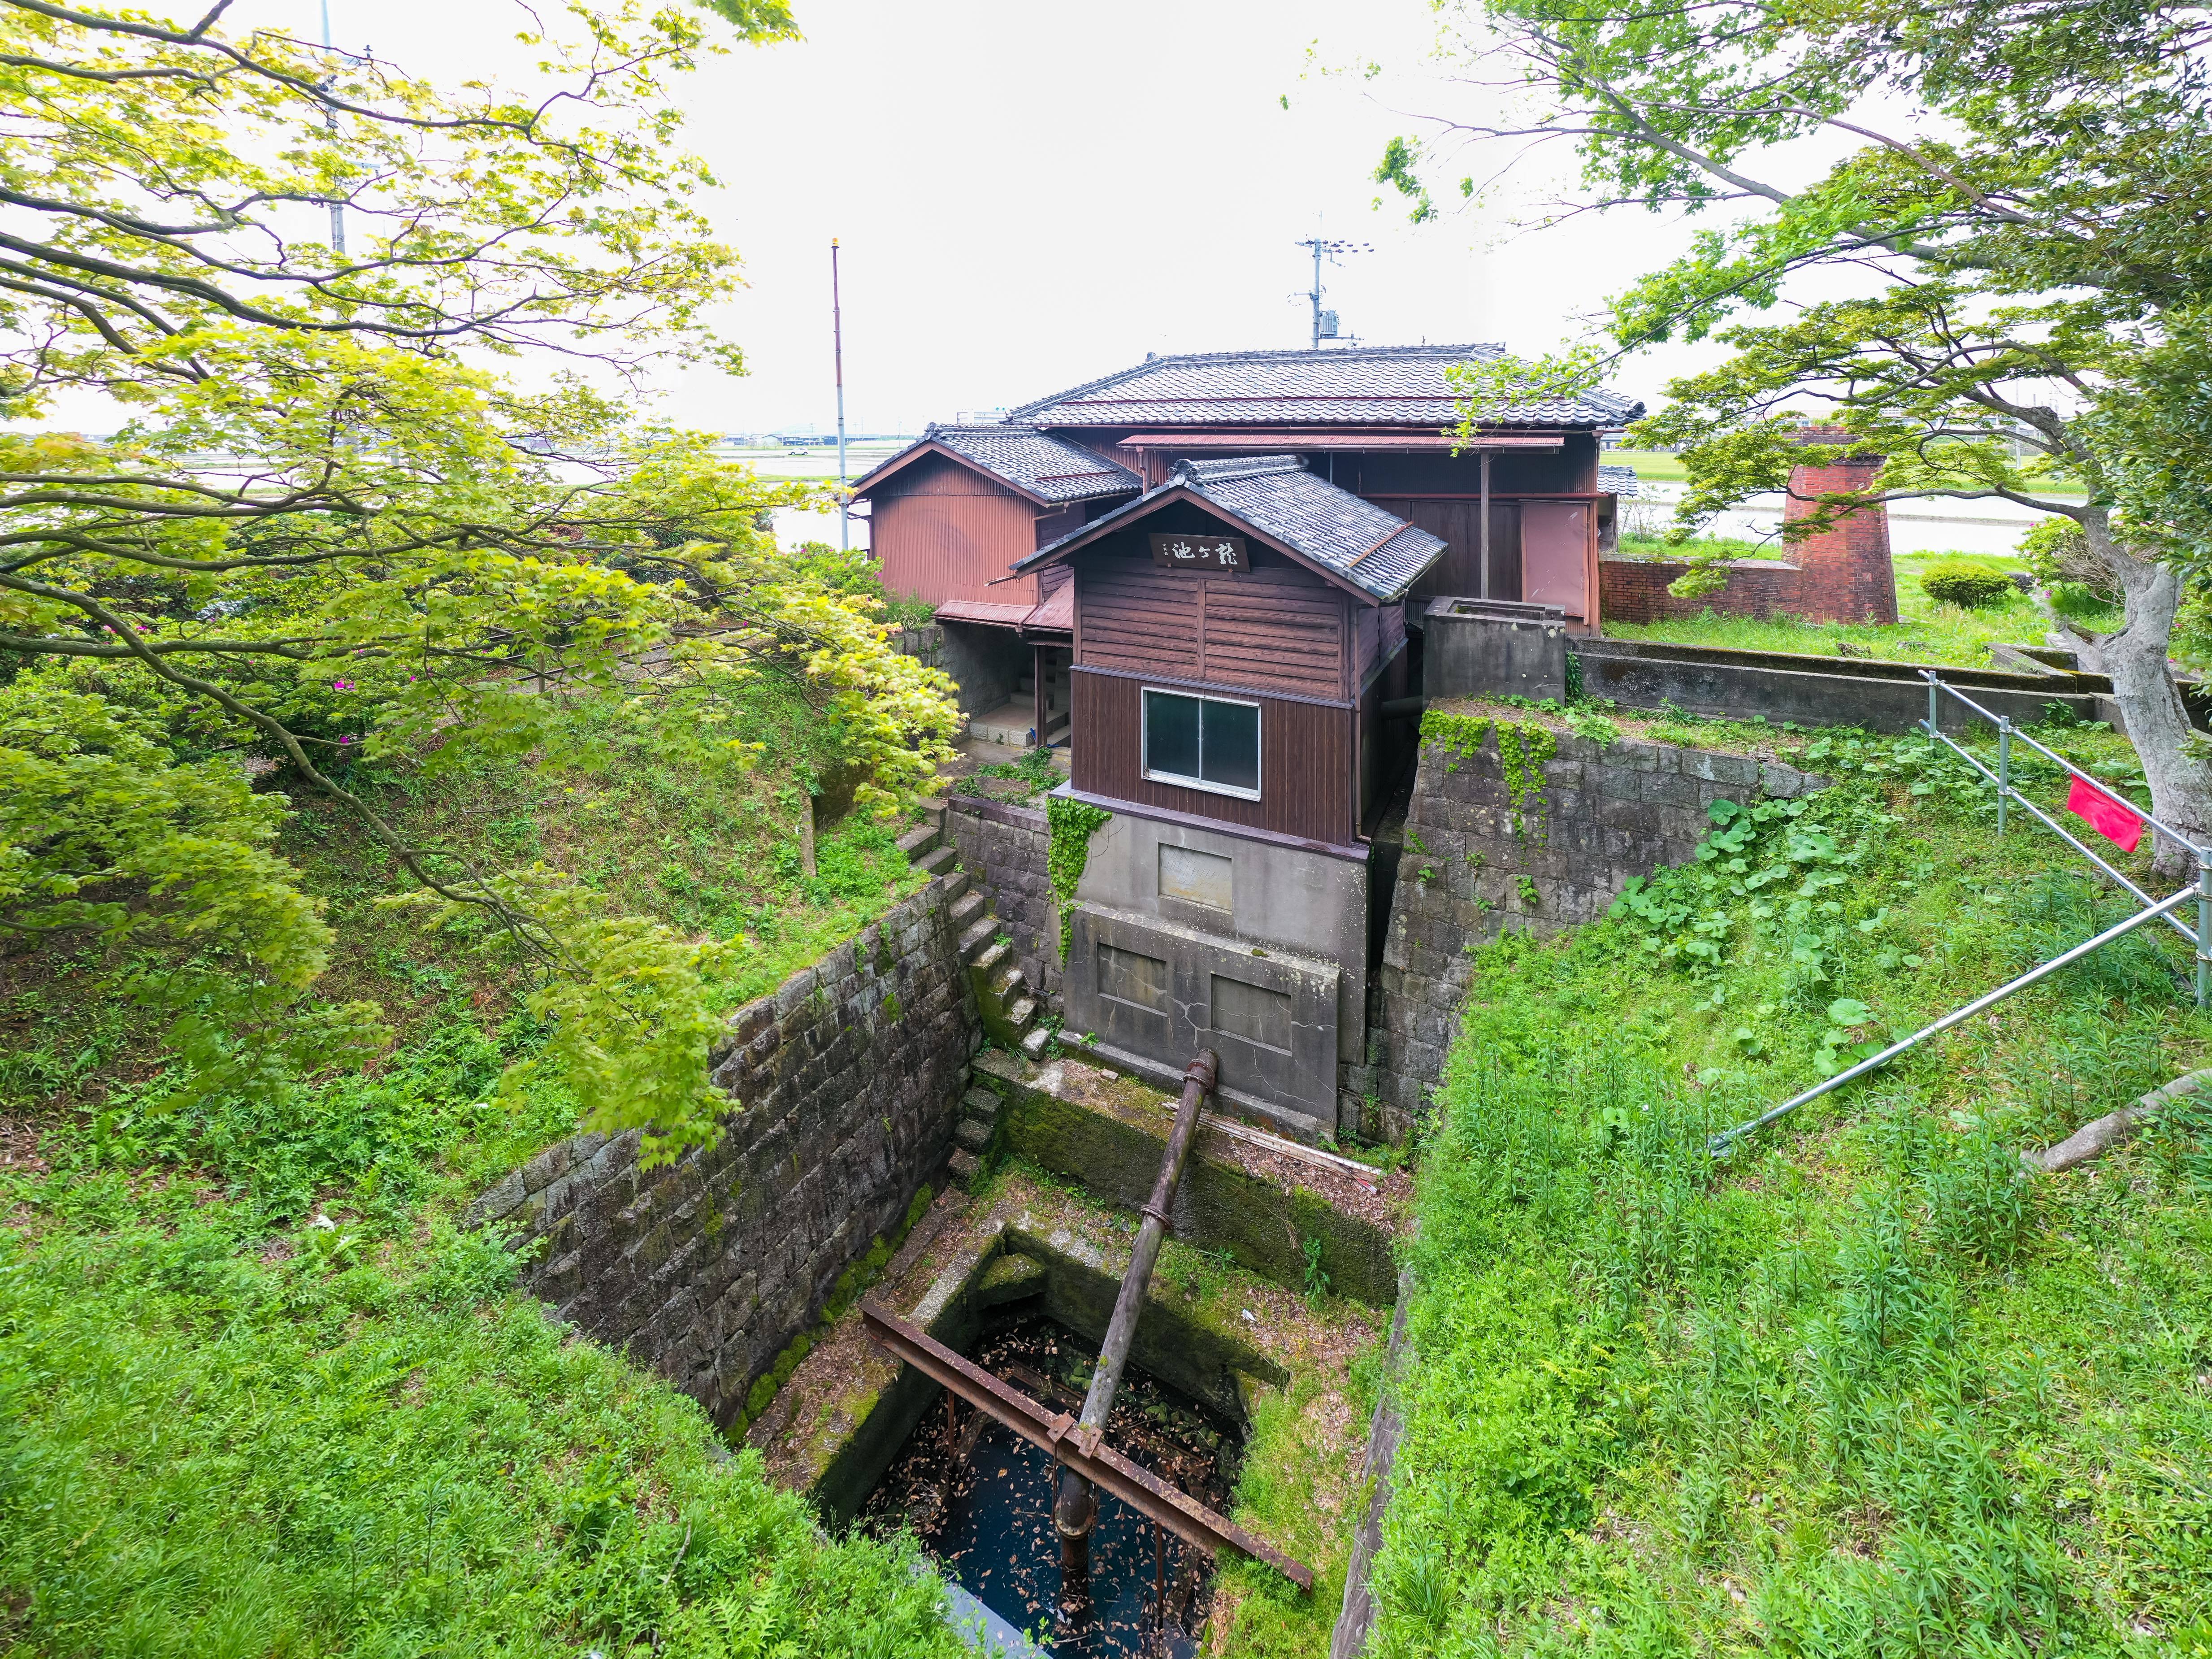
2203,927
2200,892
2093,782
2004,773
2068,837
1934,686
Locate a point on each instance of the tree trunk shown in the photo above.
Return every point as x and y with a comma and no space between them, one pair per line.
2173,757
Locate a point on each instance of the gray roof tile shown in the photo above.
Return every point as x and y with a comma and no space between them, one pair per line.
1373,549
1616,481
1050,468
1394,386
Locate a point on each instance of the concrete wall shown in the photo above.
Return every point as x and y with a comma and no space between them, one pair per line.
1602,816
986,663
1280,931
1881,696
1006,850
847,1082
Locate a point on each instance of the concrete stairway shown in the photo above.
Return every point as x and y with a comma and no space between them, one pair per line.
1010,1009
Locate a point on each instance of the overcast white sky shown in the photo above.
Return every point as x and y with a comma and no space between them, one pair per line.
1030,196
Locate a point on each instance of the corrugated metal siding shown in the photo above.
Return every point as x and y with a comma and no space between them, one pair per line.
1306,782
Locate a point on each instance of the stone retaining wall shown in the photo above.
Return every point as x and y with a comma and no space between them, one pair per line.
1603,815
848,1079
1007,851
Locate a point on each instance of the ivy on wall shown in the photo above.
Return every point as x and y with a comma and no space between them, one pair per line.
1072,824
1521,752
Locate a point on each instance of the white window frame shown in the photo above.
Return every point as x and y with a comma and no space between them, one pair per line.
1145,738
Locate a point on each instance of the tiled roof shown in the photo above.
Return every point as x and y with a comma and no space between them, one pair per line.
1048,468
1374,549
1616,481
1390,385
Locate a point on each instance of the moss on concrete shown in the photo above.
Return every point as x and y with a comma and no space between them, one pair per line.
1109,1133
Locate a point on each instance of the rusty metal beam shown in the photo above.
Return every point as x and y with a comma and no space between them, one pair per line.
1059,1434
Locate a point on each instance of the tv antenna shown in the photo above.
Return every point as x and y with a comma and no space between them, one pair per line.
1324,322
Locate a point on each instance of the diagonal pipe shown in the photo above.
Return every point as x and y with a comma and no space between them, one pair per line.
1076,1510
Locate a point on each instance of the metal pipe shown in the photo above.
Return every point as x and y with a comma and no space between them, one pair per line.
2203,926
2061,830
2004,773
837,352
2201,892
1077,1510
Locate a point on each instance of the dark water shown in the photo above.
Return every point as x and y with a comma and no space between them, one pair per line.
980,1498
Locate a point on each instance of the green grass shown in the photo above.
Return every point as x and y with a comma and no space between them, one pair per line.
219,1440
1662,467
1865,1388
1924,632
226,1428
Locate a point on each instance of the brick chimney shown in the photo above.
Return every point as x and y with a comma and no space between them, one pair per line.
1847,573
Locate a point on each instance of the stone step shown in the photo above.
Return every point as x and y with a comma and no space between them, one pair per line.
980,1103
955,884
976,936
918,840
1021,1011
933,810
938,860
973,1135
964,1165
1034,1041
1009,985
988,962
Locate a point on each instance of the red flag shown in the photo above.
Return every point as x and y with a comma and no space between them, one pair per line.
2115,820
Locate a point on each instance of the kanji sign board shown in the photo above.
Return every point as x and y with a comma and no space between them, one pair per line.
1200,552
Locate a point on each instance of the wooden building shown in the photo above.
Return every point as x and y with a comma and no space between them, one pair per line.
1523,508
1235,630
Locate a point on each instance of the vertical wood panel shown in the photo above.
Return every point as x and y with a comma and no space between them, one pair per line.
1306,762
946,546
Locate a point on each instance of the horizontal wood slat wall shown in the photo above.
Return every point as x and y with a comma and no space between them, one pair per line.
1272,628
1306,777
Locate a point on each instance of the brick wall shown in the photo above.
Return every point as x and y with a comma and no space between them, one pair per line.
1603,815
1841,574
1848,576
1006,851
1635,590
847,1080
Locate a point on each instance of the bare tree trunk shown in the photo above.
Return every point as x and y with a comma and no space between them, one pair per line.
2173,757
806,832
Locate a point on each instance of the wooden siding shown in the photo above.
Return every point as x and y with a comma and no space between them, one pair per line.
946,532
1306,762
1379,634
1275,628
1458,572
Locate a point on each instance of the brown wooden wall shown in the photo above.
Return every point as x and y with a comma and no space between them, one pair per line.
944,532
1307,777
1459,523
1276,627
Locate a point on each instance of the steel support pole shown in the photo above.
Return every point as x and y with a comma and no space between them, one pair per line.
2004,771
1934,691
2203,926
1077,1510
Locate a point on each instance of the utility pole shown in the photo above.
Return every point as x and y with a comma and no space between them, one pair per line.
837,351
331,124
1321,246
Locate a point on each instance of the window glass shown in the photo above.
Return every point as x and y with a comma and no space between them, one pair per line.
1202,739
1229,745
1171,734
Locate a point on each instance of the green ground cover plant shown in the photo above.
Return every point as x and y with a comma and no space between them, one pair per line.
1864,1387
258,1393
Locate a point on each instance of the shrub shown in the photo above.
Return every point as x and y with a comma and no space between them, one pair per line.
1963,582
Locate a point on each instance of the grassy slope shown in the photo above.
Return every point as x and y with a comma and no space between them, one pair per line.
1865,1389
230,1430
